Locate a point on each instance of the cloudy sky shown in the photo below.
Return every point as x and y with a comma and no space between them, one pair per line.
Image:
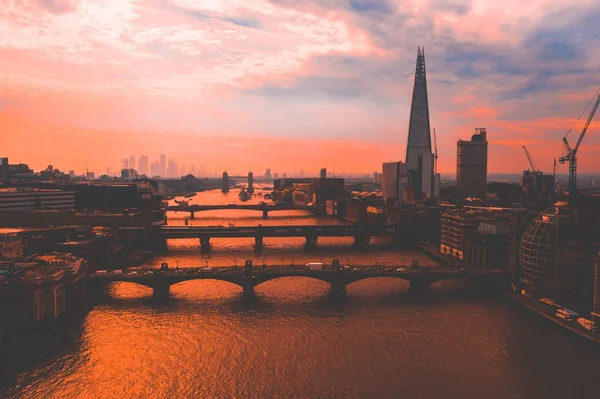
291,84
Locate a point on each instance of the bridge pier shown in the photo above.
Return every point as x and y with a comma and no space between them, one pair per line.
265,214
248,280
361,240
205,244
258,243
338,287
192,215
160,289
419,284
311,241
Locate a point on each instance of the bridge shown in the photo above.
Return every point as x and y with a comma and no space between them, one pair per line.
361,233
248,277
264,208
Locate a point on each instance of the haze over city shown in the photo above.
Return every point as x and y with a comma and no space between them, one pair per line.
236,84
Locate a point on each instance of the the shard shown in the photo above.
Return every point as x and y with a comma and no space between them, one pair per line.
419,134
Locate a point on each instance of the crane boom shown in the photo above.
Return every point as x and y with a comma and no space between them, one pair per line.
533,169
587,124
571,153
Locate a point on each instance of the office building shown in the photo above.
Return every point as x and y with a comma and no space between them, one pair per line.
394,181
419,159
132,162
143,165
268,174
323,174
172,169
13,200
11,246
17,172
471,165
163,165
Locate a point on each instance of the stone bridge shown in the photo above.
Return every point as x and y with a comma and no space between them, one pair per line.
249,277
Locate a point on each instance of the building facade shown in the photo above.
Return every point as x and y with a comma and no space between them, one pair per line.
11,246
471,165
394,180
13,200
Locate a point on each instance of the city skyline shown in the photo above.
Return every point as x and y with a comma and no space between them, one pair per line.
332,85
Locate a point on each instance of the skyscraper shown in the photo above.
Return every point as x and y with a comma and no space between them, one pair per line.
132,162
419,133
471,165
163,165
323,174
394,180
143,165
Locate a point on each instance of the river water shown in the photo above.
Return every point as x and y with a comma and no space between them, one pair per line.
293,340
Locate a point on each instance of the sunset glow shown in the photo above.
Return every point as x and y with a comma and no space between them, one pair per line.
244,85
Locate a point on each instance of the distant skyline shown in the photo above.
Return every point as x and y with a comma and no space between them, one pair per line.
249,85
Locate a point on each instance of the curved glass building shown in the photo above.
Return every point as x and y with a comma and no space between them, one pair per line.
538,247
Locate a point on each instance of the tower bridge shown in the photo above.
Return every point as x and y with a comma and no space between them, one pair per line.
249,277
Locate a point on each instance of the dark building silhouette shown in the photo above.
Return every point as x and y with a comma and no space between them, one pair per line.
471,165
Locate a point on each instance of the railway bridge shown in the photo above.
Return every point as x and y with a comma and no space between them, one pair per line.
264,208
361,233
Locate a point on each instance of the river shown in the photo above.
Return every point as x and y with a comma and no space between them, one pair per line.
293,340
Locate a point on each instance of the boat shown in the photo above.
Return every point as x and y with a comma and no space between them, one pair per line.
182,203
244,196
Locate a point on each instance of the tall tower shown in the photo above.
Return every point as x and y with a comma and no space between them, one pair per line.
471,164
419,133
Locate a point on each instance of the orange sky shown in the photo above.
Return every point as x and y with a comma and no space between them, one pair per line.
244,85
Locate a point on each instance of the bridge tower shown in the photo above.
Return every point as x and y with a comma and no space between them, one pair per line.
225,183
250,183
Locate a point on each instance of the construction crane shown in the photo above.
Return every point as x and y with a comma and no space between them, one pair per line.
571,153
533,169
435,154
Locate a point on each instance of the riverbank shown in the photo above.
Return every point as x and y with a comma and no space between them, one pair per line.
535,306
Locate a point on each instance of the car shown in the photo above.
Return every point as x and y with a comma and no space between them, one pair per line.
268,269
150,272
222,271
133,273
117,272
355,269
370,269
389,269
400,269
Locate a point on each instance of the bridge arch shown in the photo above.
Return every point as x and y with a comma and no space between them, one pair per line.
260,279
208,279
356,279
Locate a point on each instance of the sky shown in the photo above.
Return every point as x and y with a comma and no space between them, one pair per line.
292,85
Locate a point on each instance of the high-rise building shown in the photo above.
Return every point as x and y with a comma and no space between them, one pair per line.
125,164
163,165
173,169
156,169
394,180
268,174
471,165
143,165
324,173
132,162
418,148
